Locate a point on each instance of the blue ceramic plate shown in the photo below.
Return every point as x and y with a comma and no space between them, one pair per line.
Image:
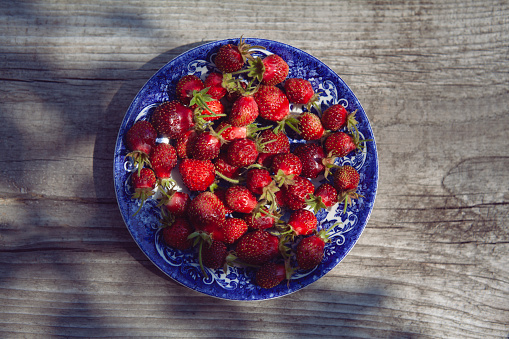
237,282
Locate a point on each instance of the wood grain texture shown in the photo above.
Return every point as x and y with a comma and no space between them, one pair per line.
433,78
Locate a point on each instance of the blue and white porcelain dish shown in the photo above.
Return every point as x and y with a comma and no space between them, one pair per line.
238,282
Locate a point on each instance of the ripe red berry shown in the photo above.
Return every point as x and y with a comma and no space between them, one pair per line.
240,199
242,152
302,222
257,248
196,174
176,235
270,275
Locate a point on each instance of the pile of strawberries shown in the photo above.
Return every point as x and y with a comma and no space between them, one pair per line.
228,139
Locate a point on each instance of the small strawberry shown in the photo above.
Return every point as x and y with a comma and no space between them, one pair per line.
310,250
206,213
276,70
140,140
296,194
257,179
196,174
163,159
270,71
214,82
176,234
288,163
272,103
302,222
325,196
311,157
205,109
242,152
257,247
214,255
186,86
240,199
172,118
143,183
184,143
273,143
206,146
224,169
346,180
229,132
233,229
176,203
340,144
300,91
231,58
336,117
220,192
260,220
244,111
270,275
310,126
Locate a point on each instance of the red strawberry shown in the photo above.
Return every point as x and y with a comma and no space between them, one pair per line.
310,126
336,117
272,103
184,143
310,251
140,140
244,111
300,91
302,222
206,146
257,179
240,199
296,194
143,184
325,196
340,144
206,109
233,229
270,70
270,275
214,255
206,213
229,132
214,82
270,144
141,137
177,203
273,143
176,234
311,157
259,220
196,174
288,163
276,70
163,159
346,180
220,192
257,247
242,152
186,87
224,168
171,119
231,58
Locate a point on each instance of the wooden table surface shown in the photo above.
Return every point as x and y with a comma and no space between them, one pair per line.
433,78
